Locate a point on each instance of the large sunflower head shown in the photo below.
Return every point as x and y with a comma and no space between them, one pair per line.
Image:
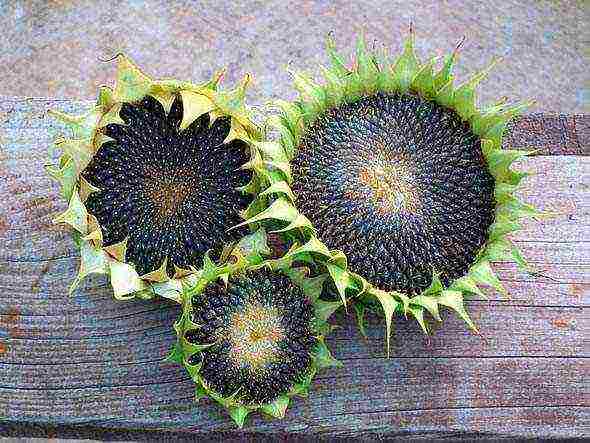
155,175
252,337
399,185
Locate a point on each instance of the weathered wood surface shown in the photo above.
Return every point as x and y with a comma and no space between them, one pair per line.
87,360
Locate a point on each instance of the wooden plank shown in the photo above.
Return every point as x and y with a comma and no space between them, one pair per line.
550,134
27,227
559,185
563,134
87,359
390,386
459,423
504,330
399,425
40,288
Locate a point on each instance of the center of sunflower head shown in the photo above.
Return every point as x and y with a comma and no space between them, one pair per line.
168,190
254,335
391,186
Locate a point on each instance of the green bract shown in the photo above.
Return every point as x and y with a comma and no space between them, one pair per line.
135,132
217,288
370,76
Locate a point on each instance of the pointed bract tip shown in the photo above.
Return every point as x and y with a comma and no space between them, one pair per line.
246,81
218,77
459,45
410,39
330,36
108,55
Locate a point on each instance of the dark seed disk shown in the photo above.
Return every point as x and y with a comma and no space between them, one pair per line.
171,192
400,185
261,326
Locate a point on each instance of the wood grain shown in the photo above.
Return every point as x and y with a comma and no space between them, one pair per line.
553,134
67,361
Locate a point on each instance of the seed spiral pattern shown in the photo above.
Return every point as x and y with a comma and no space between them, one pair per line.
400,185
170,192
260,327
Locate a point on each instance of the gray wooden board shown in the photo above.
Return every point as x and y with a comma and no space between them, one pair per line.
67,361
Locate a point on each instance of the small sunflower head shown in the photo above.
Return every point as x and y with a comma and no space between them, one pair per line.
261,330
155,176
256,340
399,185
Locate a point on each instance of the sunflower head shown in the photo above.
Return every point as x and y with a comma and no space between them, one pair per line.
399,185
155,175
253,337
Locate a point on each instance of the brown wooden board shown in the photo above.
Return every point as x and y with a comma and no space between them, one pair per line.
87,366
